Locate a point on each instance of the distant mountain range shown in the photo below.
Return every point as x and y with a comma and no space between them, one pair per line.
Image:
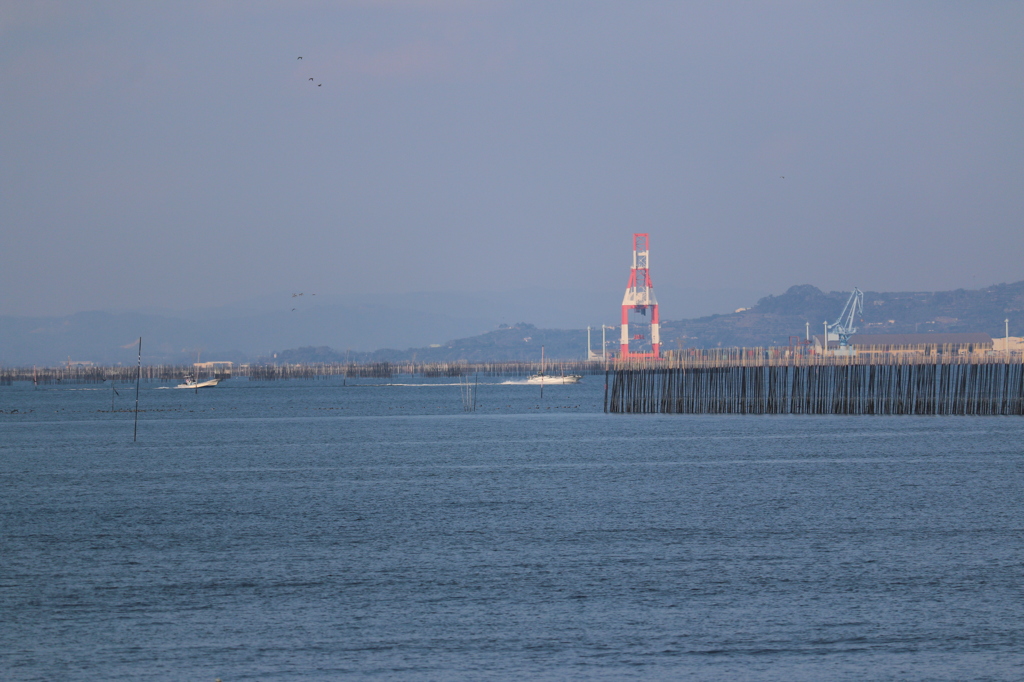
258,327
111,338
324,331
771,322
775,318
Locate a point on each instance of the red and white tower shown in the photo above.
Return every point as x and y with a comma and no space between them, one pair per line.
639,297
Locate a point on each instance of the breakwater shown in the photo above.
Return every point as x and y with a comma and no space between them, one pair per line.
957,385
726,381
259,371
96,374
76,374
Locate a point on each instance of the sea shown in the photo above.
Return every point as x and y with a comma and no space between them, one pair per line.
477,529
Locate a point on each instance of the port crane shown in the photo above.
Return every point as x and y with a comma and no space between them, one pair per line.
842,329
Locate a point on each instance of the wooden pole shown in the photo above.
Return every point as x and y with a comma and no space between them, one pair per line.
138,378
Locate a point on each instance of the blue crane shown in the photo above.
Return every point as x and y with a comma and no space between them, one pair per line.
843,327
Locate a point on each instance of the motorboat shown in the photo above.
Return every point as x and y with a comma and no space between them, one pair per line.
190,382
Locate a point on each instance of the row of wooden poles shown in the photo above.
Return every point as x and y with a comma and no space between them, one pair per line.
688,359
76,374
957,385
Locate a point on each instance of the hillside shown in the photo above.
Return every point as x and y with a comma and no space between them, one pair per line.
775,318
771,322
322,333
521,341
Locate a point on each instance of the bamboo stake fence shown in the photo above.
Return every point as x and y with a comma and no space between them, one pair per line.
940,384
76,374
935,380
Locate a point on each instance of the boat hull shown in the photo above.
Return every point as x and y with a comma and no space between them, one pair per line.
201,384
539,379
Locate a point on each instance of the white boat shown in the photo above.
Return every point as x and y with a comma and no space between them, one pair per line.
190,382
543,378
548,379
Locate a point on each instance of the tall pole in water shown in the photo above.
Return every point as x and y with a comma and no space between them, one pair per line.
138,378
606,389
542,372
826,338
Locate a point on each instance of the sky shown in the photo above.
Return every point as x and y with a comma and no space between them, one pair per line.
177,155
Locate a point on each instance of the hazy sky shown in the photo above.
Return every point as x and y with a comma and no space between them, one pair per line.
176,154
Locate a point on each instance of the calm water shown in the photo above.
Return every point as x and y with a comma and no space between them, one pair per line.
313,531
